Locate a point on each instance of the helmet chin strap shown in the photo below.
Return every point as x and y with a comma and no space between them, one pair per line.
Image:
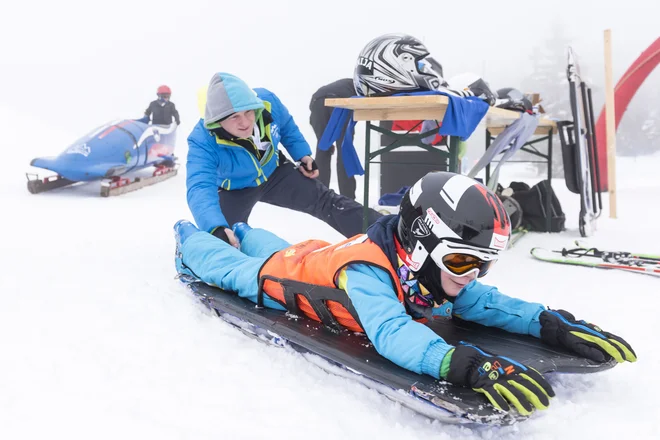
428,275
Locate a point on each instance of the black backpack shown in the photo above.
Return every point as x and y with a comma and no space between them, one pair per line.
533,201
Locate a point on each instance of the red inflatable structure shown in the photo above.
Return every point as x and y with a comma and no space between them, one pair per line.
623,94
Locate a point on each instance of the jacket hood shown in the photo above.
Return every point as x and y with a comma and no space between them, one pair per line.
226,95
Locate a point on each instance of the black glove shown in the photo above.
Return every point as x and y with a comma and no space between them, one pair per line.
500,379
314,166
559,328
220,233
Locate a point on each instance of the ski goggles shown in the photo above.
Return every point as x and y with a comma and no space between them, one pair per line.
462,260
464,264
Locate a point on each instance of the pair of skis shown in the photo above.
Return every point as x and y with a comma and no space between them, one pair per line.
583,255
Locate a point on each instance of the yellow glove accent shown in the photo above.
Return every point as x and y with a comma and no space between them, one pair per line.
630,357
604,344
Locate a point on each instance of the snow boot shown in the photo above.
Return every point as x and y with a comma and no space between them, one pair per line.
182,230
240,229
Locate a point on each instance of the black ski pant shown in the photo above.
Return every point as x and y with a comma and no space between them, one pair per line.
319,117
323,160
287,187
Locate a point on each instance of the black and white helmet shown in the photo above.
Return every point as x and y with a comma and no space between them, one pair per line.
446,214
395,63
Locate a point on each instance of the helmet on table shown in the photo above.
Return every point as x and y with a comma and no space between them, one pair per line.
452,223
395,63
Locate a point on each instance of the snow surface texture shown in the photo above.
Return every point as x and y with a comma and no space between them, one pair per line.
99,341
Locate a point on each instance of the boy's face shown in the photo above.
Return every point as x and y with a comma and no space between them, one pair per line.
240,124
453,284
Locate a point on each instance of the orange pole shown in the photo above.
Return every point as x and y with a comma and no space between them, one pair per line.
610,124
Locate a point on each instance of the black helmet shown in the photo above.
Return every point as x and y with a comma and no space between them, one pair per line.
451,222
513,99
395,63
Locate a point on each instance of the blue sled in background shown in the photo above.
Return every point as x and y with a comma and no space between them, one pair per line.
108,153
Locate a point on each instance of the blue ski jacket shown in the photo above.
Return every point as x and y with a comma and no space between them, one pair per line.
215,163
388,326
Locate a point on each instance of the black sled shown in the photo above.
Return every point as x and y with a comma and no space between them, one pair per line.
352,355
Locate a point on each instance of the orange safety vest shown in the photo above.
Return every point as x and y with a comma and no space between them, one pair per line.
319,263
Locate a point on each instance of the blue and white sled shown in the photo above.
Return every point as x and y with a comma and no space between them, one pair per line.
109,152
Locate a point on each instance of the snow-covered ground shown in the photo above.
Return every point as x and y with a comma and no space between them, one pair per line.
98,340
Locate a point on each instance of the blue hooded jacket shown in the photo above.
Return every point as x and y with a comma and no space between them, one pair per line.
215,163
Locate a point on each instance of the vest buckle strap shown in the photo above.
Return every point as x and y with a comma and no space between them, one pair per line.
317,297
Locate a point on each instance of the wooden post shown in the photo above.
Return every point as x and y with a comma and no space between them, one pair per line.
610,127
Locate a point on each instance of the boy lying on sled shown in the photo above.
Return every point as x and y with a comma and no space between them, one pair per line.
420,264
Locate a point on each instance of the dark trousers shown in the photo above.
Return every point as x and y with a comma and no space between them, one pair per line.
324,159
288,188
318,119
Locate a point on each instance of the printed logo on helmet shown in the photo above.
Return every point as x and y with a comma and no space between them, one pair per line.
420,229
430,214
366,64
384,80
499,241
414,265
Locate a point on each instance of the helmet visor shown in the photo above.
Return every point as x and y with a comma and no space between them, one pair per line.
429,78
428,66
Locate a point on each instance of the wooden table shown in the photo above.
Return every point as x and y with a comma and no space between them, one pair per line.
412,108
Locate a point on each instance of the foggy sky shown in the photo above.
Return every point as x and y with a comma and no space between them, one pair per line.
81,63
